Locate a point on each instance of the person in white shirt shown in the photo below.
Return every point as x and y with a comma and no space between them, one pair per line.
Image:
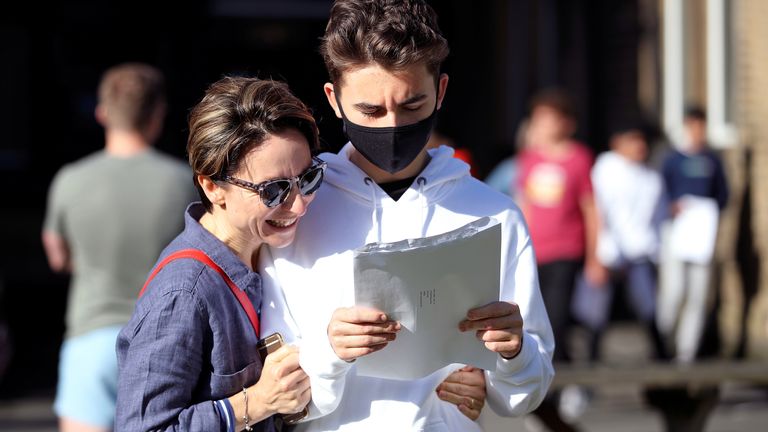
631,206
383,59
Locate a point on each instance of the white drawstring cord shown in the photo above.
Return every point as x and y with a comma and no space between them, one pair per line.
374,219
421,181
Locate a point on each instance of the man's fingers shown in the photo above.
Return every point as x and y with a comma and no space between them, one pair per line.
507,349
360,314
469,406
472,414
346,342
495,323
462,391
353,353
473,377
491,310
340,328
449,396
497,335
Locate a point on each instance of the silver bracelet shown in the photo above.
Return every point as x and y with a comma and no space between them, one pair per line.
246,420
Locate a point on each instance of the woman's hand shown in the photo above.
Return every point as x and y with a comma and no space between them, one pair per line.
282,388
357,331
466,389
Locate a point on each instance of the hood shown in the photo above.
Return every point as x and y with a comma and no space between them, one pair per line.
442,169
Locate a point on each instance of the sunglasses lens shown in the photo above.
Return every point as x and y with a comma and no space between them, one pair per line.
311,181
274,193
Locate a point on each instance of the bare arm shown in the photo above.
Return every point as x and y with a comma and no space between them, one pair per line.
57,252
593,270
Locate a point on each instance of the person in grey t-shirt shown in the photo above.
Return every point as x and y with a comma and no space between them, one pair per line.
109,215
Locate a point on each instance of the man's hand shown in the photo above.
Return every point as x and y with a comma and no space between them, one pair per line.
498,324
466,389
357,331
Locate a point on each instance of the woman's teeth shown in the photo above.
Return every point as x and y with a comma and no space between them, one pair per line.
281,223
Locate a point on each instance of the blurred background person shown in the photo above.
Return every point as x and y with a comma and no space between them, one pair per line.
630,205
503,176
555,194
696,185
108,217
438,138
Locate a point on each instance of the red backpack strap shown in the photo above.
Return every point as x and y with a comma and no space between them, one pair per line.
199,255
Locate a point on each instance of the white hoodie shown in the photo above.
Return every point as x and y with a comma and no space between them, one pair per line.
630,200
314,276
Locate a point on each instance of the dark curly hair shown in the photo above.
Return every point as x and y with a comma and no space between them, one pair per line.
394,34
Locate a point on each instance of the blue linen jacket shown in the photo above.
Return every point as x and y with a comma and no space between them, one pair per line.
189,341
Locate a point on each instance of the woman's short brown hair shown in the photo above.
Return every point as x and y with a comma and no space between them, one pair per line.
236,115
394,34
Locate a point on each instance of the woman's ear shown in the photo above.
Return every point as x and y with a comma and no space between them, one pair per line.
212,190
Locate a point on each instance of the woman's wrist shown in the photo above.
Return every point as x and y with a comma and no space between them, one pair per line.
246,405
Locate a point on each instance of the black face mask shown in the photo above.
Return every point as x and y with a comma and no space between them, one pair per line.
389,148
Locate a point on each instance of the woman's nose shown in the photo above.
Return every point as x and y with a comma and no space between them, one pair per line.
297,202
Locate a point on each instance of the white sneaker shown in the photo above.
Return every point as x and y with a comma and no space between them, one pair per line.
574,401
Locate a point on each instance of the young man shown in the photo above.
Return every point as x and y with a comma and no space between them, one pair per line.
631,205
384,60
109,215
692,174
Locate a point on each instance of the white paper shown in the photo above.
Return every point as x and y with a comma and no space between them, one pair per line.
429,285
694,230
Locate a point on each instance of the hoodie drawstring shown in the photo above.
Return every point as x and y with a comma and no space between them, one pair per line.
421,181
374,218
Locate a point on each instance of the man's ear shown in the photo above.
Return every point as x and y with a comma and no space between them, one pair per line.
212,190
442,87
100,113
330,94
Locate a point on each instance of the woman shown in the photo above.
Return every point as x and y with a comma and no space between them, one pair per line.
188,357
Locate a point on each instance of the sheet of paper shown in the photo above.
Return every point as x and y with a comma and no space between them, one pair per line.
429,285
694,230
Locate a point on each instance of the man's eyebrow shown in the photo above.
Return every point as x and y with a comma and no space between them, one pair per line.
414,99
364,106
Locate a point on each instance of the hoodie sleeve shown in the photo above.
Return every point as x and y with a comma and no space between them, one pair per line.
518,385
326,371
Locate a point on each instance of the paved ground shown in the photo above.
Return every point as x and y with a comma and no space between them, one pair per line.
740,409
620,408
